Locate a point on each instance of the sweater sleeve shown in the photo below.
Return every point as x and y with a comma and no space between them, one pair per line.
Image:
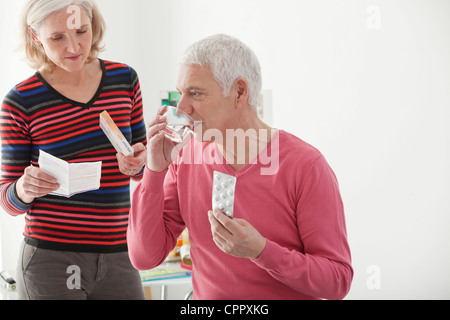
15,152
324,268
139,132
155,222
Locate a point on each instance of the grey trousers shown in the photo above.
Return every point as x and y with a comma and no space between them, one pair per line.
58,275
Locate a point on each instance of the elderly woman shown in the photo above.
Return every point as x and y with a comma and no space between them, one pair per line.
74,248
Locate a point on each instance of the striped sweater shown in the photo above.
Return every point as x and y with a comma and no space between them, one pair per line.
36,117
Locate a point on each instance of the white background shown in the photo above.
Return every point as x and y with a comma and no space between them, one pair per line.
367,82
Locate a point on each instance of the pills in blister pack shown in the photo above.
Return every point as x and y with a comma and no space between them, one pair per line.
224,187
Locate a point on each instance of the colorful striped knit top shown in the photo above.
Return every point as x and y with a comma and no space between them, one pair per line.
34,117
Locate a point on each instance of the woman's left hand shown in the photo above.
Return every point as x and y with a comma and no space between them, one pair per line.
131,166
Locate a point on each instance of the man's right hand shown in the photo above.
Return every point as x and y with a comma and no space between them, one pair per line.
161,150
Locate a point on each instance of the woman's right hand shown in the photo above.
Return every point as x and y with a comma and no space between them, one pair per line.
161,150
35,184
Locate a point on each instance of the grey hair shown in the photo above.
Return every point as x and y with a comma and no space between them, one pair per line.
229,59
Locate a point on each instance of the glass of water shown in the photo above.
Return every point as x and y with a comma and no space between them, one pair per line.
179,124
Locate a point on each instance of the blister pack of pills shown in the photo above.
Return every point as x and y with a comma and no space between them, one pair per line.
224,188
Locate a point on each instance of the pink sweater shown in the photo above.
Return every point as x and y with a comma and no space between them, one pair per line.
298,210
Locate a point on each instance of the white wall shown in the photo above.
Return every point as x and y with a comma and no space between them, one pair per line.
365,81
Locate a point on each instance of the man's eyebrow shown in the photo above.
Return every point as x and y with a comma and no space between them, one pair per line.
192,88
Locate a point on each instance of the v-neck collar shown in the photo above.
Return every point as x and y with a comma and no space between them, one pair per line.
73,102
221,162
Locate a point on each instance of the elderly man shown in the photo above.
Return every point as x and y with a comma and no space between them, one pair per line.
287,236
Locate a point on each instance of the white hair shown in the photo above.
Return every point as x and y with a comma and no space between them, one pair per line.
228,59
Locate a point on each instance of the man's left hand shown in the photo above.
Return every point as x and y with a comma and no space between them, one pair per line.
236,237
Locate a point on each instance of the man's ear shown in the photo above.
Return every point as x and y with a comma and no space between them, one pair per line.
241,87
34,37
